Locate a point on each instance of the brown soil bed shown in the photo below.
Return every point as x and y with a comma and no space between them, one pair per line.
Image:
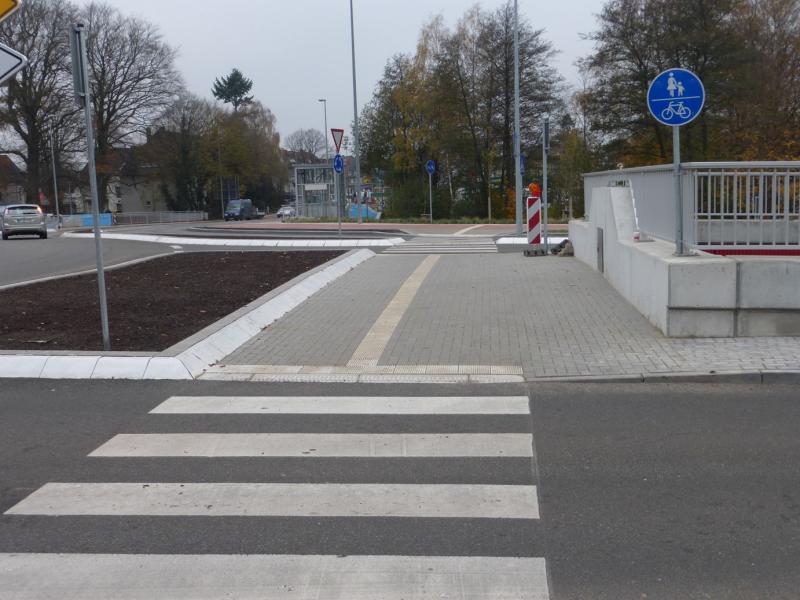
151,306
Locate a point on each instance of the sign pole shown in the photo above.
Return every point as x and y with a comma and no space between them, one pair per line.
338,204
675,98
83,91
676,171
430,194
55,177
545,149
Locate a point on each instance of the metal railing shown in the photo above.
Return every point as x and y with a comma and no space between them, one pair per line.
146,218
726,204
132,218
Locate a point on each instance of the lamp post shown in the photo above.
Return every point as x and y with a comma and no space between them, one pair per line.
327,150
517,152
357,147
325,131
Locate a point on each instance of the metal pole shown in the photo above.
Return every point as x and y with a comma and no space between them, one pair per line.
55,177
336,179
676,171
219,165
325,109
328,155
517,151
355,116
430,192
545,149
98,244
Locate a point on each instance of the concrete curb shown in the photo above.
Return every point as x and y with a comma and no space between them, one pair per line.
199,355
751,377
289,243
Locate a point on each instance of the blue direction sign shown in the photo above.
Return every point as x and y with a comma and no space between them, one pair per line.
676,97
430,167
338,164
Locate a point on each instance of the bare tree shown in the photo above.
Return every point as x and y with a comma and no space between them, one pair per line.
307,141
133,79
40,96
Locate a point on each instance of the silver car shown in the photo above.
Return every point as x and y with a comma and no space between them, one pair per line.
23,219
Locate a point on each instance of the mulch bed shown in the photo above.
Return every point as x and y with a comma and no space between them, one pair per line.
152,305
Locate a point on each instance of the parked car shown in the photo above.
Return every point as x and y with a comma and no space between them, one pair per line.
239,210
286,212
23,219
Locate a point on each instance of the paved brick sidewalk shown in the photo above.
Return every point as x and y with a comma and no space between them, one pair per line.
327,328
554,317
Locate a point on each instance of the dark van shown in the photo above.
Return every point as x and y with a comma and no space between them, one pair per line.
239,210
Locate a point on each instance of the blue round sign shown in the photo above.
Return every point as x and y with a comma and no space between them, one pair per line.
676,97
338,164
430,167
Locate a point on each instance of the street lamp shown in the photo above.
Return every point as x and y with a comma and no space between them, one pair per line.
325,131
357,147
517,151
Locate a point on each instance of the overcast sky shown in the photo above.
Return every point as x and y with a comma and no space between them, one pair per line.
297,51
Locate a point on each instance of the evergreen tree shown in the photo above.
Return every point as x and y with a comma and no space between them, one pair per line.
233,89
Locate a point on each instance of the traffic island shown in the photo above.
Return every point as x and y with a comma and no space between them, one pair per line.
152,305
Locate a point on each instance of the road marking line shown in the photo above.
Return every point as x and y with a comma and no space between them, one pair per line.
270,577
374,343
463,231
283,500
345,405
313,445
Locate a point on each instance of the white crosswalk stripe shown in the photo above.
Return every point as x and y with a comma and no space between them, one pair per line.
211,577
446,245
312,445
345,405
329,429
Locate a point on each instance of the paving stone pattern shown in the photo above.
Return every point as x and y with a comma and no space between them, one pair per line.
555,317
327,328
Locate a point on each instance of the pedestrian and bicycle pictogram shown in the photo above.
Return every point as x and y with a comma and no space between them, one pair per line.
676,97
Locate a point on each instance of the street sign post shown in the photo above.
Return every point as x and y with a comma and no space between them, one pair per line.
545,152
675,98
338,169
80,76
430,167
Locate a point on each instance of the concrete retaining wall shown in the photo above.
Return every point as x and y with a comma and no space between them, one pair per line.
697,296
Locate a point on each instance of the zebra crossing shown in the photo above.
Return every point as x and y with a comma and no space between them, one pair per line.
446,245
348,497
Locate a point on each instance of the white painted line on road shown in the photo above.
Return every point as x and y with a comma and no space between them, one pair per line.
374,343
270,577
345,405
466,229
314,445
282,500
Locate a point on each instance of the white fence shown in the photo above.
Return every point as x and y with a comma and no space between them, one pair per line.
732,204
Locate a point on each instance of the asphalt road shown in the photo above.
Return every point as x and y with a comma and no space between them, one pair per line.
645,491
27,258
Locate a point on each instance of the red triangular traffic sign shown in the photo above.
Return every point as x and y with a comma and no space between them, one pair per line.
337,134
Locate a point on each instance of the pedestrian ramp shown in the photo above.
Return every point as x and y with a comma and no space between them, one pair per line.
473,244
346,497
